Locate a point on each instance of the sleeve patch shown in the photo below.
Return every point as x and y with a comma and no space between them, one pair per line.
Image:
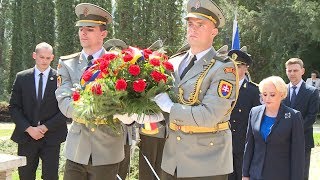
225,89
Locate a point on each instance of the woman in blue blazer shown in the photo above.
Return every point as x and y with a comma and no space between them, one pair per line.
274,147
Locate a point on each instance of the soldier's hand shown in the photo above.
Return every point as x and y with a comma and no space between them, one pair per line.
34,132
245,178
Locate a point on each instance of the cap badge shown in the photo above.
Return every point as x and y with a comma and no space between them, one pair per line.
85,12
197,4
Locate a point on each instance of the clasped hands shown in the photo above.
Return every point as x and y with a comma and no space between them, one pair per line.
37,132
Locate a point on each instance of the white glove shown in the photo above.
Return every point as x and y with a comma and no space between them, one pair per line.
151,118
125,118
164,102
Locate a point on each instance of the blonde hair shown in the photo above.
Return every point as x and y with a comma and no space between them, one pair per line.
294,61
278,82
43,45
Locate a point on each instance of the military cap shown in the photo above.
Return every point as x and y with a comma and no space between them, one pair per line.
92,15
206,9
242,57
115,43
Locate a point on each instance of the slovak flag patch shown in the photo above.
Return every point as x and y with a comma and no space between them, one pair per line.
225,89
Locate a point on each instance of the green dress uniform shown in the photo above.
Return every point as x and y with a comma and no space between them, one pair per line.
91,153
199,134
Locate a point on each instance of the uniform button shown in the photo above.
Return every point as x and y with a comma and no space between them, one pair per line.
92,129
211,143
178,138
175,121
239,110
233,130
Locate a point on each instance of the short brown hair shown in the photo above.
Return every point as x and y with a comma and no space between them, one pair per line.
294,61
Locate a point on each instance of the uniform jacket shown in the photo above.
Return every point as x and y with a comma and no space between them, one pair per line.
281,157
23,109
210,153
307,102
248,98
103,144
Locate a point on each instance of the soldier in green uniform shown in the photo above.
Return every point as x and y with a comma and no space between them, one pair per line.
91,153
249,96
199,144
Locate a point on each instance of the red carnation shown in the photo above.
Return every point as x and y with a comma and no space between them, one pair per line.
96,89
168,66
158,76
155,62
146,53
121,85
87,75
109,56
75,96
104,64
128,57
134,70
139,85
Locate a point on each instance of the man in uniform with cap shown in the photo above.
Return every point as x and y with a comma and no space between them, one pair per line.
91,153
249,96
199,144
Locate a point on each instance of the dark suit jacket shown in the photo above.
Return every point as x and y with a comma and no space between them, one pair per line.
281,157
23,107
307,102
248,98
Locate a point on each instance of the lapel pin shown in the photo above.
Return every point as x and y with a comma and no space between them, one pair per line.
51,78
287,115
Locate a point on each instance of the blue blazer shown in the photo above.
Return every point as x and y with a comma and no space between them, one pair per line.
281,157
307,103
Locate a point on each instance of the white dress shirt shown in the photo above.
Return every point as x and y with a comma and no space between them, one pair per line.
297,89
44,79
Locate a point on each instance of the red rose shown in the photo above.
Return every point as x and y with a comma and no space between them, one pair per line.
134,70
121,85
109,56
75,95
104,65
96,89
155,62
87,75
128,57
168,66
146,53
139,85
158,76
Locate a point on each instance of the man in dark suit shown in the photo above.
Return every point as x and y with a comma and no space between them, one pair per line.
40,126
305,99
248,98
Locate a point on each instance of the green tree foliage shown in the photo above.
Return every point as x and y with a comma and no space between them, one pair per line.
45,21
16,55
67,41
28,30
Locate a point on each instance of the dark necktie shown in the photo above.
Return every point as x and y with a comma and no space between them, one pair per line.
40,84
90,57
194,58
313,83
293,95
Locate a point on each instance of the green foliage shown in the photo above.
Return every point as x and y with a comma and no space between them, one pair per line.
316,137
45,21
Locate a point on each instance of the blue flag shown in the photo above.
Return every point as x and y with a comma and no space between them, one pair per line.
235,35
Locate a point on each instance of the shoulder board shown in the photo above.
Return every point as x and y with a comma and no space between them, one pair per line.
178,54
70,56
222,58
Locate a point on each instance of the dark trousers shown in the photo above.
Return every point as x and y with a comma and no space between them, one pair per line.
307,163
125,163
237,167
166,176
76,171
34,150
152,149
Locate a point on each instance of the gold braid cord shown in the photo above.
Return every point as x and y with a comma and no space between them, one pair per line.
233,58
194,96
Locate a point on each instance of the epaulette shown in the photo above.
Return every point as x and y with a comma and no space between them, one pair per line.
69,56
222,54
178,54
